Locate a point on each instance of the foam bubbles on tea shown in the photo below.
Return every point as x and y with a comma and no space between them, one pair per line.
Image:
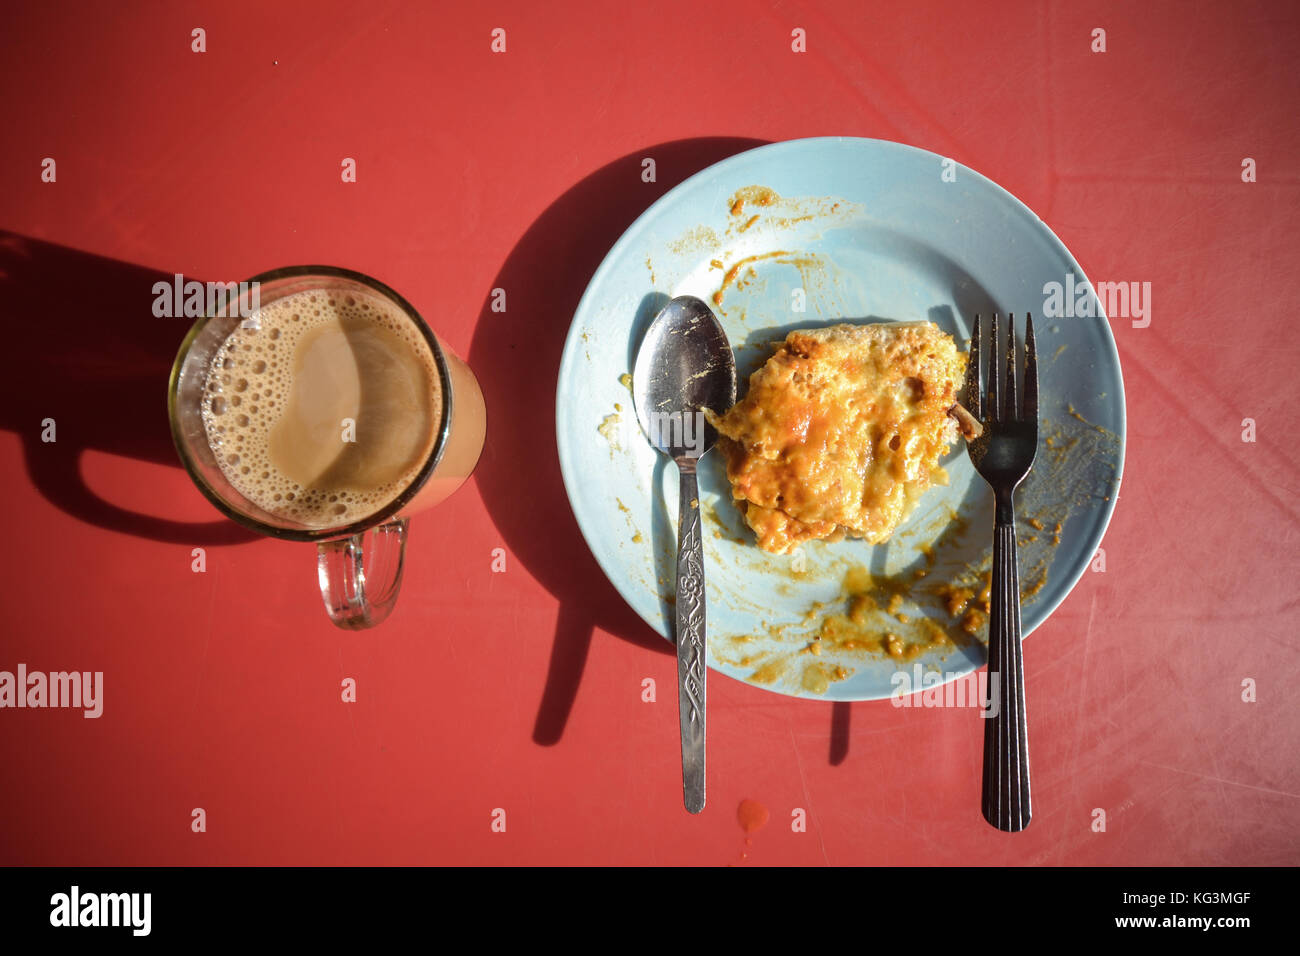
279,397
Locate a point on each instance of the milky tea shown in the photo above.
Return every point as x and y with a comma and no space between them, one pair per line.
323,408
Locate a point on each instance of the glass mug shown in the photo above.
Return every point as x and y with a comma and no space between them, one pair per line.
359,578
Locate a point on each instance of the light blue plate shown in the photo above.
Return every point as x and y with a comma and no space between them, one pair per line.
864,231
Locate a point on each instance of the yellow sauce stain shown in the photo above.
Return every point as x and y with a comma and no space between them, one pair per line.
818,677
809,266
695,240
755,195
769,673
608,429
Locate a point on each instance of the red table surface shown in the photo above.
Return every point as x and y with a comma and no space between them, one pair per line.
521,691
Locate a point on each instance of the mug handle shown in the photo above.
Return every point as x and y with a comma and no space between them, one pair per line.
360,584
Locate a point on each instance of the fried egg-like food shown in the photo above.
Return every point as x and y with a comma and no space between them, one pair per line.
842,431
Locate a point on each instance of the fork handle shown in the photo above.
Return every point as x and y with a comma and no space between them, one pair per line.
691,648
1006,801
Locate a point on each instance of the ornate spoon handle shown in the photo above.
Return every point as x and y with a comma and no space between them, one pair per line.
690,636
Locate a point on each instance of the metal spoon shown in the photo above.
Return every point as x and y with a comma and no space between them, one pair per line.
685,365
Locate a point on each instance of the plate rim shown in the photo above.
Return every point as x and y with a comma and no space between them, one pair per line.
572,348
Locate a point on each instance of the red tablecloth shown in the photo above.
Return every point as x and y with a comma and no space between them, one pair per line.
521,691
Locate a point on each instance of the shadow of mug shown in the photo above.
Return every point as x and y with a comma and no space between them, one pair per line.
84,327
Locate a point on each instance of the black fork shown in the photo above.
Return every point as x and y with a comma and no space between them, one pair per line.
1003,455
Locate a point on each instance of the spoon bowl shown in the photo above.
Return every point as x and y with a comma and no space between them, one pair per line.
683,366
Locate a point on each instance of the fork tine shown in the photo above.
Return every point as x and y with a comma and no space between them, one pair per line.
1011,410
971,391
994,396
1031,372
